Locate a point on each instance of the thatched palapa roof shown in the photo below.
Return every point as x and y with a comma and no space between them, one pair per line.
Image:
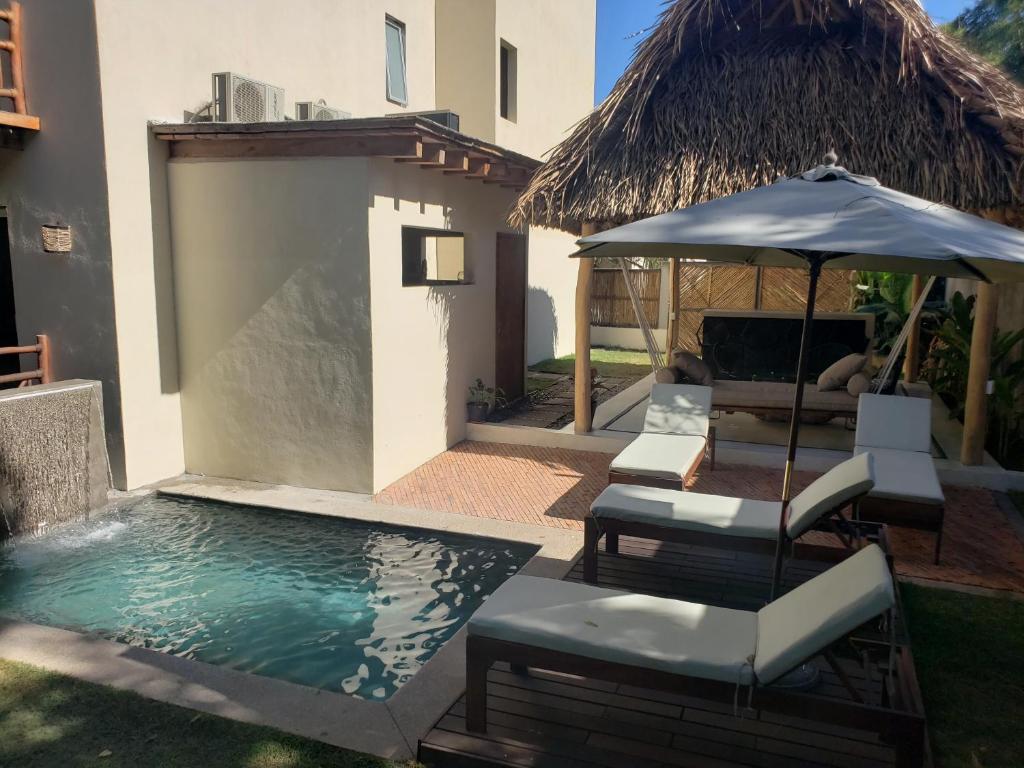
726,95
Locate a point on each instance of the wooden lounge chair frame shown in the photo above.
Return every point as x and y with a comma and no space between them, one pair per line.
898,717
650,481
918,515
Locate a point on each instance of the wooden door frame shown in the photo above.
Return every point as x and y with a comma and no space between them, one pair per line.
515,237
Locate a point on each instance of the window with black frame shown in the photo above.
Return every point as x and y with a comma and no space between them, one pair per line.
433,257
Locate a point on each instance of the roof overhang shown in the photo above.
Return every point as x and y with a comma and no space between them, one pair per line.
407,139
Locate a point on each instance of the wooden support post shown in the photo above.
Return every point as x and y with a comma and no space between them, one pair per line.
45,364
975,409
673,309
912,361
584,284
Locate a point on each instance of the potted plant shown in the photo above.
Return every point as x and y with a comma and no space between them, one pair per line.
481,399
595,385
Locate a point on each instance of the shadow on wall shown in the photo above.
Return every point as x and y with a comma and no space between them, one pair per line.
541,326
163,269
450,313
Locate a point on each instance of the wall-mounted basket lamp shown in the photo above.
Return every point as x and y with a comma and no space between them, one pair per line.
56,238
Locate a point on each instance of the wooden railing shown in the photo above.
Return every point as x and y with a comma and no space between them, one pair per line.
41,374
19,118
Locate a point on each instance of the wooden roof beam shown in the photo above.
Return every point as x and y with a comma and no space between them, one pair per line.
397,146
432,156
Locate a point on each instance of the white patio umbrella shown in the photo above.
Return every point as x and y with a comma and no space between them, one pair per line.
824,218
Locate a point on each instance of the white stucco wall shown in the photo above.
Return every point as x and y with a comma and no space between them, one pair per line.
272,298
429,342
554,44
60,177
155,62
551,300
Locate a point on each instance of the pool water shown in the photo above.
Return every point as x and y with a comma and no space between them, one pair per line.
335,604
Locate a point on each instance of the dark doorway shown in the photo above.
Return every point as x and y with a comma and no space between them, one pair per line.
510,315
8,326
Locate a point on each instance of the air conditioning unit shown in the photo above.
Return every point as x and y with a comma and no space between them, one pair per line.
240,99
444,117
307,110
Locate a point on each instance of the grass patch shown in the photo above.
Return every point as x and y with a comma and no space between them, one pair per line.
48,720
615,363
969,653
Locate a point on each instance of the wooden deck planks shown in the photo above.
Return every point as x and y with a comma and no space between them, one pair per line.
545,719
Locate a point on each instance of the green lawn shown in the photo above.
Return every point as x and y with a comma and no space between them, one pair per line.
615,363
52,720
969,653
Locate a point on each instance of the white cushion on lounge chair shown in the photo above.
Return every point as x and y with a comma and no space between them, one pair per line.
656,455
841,484
733,516
703,512
807,620
889,421
904,476
621,628
678,409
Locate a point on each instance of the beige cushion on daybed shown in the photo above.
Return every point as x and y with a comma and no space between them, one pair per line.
840,372
654,455
621,628
817,613
689,638
732,516
777,395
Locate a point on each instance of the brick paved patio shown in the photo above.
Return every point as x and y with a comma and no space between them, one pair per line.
550,486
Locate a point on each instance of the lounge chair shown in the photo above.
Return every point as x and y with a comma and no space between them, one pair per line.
710,652
723,521
897,431
676,438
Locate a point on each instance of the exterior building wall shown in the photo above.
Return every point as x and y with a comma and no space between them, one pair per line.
551,300
155,64
429,342
465,64
272,297
60,177
554,70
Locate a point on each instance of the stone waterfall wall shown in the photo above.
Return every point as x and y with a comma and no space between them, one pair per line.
53,454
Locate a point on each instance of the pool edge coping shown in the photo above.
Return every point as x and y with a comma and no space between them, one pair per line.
334,718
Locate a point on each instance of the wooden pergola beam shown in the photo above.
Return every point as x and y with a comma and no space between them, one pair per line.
972,450
584,421
431,156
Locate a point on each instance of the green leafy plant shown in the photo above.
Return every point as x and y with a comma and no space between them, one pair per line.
949,365
887,295
481,394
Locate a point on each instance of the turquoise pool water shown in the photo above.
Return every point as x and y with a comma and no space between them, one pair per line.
329,603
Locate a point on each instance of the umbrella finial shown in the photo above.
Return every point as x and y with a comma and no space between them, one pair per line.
831,158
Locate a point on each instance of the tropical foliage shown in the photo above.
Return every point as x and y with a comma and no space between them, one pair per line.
887,295
947,371
994,29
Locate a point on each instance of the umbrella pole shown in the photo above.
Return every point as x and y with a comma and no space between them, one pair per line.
814,262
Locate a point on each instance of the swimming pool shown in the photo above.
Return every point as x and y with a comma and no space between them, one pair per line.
335,604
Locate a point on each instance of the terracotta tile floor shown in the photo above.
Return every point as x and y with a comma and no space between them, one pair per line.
549,486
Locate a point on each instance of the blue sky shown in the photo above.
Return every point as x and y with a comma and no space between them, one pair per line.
620,25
